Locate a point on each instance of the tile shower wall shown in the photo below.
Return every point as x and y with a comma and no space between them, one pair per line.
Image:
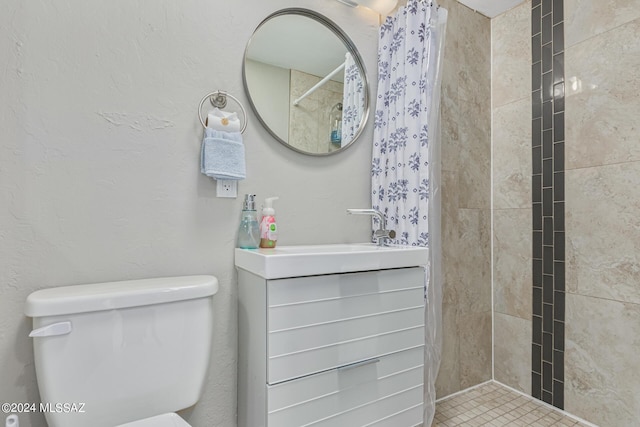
602,151
512,209
466,189
529,340
602,189
309,121
548,195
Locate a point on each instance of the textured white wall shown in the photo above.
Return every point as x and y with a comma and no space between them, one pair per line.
99,152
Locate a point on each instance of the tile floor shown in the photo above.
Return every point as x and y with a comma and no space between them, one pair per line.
494,405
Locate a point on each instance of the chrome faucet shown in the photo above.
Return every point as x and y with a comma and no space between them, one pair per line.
381,234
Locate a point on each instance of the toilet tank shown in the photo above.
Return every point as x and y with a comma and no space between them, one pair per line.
121,351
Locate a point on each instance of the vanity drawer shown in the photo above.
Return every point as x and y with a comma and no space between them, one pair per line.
324,322
384,392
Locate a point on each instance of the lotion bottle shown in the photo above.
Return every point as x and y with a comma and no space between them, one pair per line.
248,232
268,227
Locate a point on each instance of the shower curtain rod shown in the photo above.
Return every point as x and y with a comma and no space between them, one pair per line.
320,83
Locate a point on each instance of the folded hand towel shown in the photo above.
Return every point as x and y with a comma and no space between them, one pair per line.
222,155
222,120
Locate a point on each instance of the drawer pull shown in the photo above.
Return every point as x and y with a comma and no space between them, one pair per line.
358,364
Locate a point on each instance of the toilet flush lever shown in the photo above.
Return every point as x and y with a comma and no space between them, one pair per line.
60,328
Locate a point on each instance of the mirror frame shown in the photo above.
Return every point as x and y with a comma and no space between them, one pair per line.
349,45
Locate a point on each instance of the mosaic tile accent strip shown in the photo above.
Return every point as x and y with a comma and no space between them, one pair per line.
547,90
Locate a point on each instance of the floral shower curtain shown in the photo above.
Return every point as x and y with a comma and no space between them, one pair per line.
353,100
405,167
400,168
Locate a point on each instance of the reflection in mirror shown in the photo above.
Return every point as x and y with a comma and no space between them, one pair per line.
306,82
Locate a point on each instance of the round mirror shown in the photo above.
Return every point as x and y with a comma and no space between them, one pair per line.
306,82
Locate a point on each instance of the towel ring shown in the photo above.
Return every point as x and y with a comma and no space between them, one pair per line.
219,100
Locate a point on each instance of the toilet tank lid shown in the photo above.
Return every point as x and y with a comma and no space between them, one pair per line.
115,295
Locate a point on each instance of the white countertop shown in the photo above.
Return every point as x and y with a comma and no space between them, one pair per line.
296,261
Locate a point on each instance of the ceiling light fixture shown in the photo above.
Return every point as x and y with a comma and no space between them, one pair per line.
383,7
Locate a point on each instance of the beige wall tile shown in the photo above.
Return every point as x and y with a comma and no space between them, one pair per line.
473,261
512,351
466,182
603,236
475,348
511,165
511,169
450,237
512,279
511,61
512,155
474,71
452,38
309,122
587,18
474,106
602,103
602,367
475,156
450,113
448,381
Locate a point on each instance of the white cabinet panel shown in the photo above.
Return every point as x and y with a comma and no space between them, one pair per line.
320,323
294,365
411,417
355,396
313,312
327,333
331,351
300,289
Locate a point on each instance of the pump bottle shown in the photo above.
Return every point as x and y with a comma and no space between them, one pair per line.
268,227
248,232
335,117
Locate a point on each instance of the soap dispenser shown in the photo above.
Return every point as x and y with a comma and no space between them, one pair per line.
335,123
248,232
268,228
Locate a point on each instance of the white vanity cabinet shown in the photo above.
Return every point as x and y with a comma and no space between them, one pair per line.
342,349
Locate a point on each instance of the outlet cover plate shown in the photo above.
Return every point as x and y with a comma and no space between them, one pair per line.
226,188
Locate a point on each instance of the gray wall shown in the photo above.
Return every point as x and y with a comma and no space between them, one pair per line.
99,153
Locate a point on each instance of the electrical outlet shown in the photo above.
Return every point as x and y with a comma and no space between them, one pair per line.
227,188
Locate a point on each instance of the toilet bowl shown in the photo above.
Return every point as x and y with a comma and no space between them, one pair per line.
126,353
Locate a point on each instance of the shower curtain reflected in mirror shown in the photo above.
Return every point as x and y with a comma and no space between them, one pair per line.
353,100
405,172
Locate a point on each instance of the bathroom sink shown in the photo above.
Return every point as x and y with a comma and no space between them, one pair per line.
295,261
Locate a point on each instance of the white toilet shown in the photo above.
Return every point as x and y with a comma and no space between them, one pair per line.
122,353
